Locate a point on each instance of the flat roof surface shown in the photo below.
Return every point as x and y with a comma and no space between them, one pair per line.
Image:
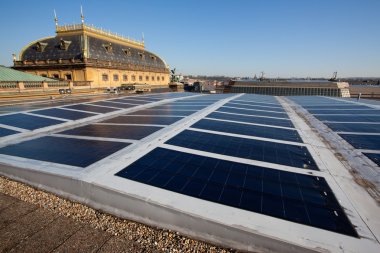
242,170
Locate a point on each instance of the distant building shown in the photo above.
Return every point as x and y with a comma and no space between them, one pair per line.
85,53
289,87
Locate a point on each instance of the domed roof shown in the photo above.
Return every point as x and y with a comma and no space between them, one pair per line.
75,46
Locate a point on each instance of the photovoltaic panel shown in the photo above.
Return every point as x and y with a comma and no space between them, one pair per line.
67,151
256,103
113,131
91,108
6,132
251,119
346,111
285,154
64,114
342,106
122,100
162,112
26,121
290,196
374,157
143,120
252,112
363,141
354,127
110,104
255,107
349,118
182,107
250,130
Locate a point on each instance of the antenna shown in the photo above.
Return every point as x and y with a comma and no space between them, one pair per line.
142,37
55,19
81,14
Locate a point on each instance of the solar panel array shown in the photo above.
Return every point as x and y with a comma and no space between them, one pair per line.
358,124
257,137
262,162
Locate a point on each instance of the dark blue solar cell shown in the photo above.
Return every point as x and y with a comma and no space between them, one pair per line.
91,108
182,107
363,141
354,127
6,132
110,104
114,131
290,155
345,111
255,107
349,118
143,120
26,121
162,112
250,130
374,157
251,119
252,112
64,114
67,151
295,197
126,101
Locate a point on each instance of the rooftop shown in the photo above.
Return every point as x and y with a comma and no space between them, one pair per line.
8,75
245,171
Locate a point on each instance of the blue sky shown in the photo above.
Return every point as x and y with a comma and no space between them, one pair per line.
286,38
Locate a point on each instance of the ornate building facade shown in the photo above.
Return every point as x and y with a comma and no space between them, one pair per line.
85,53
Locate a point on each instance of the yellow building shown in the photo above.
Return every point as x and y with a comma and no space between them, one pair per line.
85,53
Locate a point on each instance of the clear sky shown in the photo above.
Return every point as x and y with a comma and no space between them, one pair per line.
286,38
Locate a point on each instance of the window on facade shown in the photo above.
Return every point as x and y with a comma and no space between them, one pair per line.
105,77
116,77
108,47
142,56
127,52
140,78
133,78
162,78
64,44
56,76
152,78
68,77
125,78
40,46
44,75
146,78
158,78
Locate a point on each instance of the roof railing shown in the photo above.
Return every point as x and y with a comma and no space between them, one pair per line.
76,27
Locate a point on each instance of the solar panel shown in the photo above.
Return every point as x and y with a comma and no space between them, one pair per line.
285,154
114,131
251,119
252,112
257,107
6,132
363,141
67,151
354,127
64,114
374,157
162,112
182,107
346,111
294,197
250,130
118,105
26,121
349,118
91,108
143,120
